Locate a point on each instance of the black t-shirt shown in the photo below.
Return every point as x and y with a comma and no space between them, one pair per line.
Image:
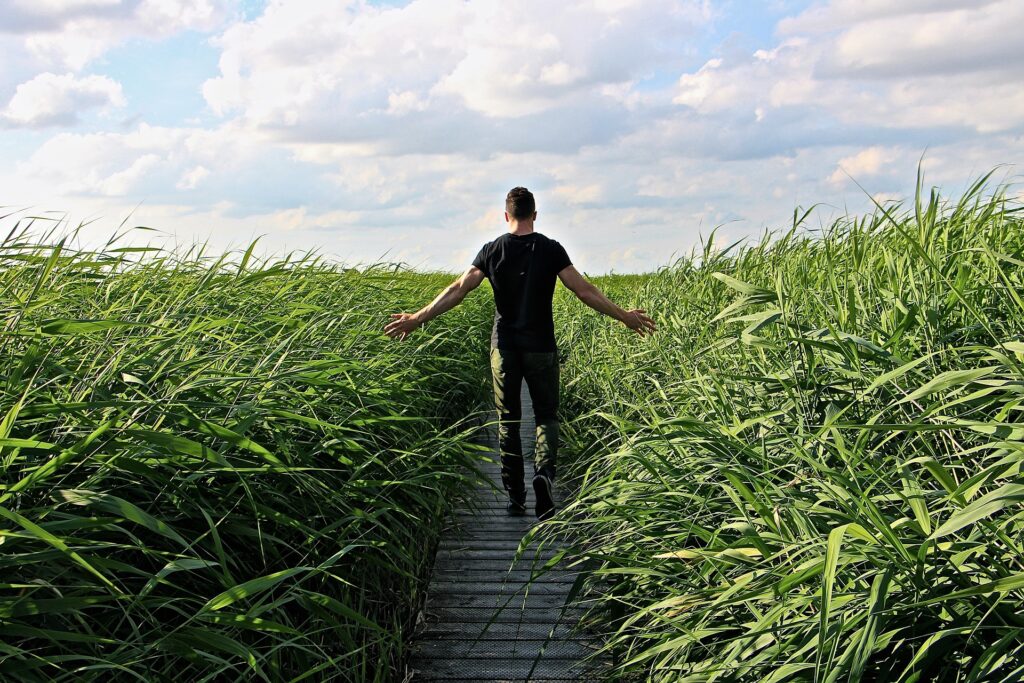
522,270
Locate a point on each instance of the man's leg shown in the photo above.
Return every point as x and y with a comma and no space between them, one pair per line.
541,373
507,375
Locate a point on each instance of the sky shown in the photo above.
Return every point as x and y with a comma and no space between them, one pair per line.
391,130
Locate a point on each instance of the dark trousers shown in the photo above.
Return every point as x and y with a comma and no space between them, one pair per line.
540,370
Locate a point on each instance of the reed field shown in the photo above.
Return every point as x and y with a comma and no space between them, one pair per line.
812,472
217,467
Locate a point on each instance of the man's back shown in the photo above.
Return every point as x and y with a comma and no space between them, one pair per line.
522,270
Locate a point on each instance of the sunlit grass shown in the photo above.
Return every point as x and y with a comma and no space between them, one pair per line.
219,468
812,472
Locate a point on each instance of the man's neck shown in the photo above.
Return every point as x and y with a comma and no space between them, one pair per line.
520,227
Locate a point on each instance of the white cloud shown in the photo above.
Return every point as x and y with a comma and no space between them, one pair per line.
703,90
866,162
191,178
838,14
984,37
54,100
121,182
404,102
73,33
884,197
560,74
141,162
578,194
309,70
887,65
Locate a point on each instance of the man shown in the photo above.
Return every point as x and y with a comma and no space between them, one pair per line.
522,266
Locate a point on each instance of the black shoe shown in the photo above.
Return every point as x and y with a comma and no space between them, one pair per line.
516,504
543,488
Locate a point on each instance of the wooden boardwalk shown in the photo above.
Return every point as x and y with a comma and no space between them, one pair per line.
531,636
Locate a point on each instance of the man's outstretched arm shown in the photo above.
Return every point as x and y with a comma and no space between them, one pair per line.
635,319
403,323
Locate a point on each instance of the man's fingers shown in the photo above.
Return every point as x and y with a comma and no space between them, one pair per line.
644,324
397,329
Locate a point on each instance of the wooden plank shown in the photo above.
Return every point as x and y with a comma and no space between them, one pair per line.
486,523
516,532
495,588
470,555
492,515
499,531
505,616
512,600
496,567
505,667
475,574
502,522
511,537
496,538
501,550
483,631
487,542
497,503
498,513
424,677
448,555
487,649
500,504
471,521
501,507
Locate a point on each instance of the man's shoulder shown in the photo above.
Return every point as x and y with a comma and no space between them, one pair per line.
484,256
488,246
549,242
545,239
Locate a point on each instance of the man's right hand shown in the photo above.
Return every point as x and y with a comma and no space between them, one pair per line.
402,325
638,321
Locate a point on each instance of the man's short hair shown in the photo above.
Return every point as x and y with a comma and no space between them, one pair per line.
520,203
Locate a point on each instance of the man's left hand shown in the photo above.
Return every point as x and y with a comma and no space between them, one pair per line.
401,325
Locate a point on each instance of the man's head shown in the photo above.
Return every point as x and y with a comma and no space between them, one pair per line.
520,205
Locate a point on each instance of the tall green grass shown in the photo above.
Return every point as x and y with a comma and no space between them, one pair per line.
812,472
218,467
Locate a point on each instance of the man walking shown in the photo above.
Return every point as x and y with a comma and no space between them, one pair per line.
522,266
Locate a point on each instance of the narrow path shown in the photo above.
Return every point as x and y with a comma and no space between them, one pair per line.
532,635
